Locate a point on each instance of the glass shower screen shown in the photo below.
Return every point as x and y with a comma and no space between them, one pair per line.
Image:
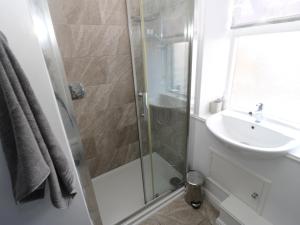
160,36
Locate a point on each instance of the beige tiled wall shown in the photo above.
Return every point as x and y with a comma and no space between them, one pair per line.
94,43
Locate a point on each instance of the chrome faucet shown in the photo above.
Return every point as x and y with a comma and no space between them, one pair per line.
258,113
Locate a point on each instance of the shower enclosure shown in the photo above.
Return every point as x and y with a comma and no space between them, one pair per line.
161,49
161,44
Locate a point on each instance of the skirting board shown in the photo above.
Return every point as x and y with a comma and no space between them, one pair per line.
215,193
217,196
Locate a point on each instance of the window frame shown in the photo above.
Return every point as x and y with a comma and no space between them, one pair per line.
235,33
270,19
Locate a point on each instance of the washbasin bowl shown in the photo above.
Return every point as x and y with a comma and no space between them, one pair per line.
241,132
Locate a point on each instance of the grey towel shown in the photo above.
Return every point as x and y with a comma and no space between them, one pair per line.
33,155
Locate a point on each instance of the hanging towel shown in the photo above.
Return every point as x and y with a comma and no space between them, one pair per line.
33,155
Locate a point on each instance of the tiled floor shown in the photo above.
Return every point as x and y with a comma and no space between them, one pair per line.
180,213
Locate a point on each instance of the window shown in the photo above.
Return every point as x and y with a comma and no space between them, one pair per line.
266,69
249,12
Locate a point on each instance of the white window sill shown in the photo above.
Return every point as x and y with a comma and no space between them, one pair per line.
293,155
202,118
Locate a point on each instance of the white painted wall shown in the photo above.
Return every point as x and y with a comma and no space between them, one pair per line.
215,51
15,22
282,206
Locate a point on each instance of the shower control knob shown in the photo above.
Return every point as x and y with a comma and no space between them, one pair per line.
77,91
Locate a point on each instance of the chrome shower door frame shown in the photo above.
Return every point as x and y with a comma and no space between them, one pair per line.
190,38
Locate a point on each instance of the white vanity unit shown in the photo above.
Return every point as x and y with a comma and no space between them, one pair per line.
238,193
235,212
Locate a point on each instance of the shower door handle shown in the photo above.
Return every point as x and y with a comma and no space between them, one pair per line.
143,97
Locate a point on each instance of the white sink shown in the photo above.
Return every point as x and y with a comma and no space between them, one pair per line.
241,132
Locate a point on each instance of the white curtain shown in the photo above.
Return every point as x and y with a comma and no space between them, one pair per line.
252,12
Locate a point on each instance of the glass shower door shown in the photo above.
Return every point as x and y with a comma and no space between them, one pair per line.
160,32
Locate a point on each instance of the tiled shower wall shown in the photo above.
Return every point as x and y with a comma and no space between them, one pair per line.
93,39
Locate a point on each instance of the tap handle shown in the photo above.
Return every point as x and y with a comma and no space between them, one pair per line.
260,106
